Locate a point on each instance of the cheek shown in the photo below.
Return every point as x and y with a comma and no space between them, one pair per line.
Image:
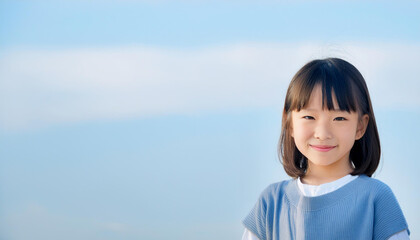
300,133
348,135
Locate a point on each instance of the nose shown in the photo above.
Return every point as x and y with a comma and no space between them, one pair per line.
323,131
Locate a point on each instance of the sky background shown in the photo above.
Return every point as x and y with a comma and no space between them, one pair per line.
160,119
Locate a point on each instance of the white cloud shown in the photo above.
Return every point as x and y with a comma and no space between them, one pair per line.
42,87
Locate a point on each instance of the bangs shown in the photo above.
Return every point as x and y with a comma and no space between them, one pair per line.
334,83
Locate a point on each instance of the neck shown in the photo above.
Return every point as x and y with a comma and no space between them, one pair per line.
317,175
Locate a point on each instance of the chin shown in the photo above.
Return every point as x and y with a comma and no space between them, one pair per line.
322,163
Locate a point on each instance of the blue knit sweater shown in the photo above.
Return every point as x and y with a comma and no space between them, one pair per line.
365,208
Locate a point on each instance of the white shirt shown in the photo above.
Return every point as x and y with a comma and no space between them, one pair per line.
314,191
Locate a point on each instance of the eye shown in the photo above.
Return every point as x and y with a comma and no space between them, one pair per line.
340,119
308,117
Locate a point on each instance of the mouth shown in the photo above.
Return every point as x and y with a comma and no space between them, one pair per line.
322,148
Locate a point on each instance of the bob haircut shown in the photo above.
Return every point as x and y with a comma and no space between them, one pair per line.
349,87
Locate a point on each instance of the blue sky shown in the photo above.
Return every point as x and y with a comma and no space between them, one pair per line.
202,23
122,118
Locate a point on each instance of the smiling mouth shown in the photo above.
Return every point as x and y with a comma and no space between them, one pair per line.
322,148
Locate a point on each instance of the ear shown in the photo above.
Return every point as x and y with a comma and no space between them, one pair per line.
361,126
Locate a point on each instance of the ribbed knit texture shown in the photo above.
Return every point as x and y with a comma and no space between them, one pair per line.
365,208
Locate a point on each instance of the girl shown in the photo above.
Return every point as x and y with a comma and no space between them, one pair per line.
329,145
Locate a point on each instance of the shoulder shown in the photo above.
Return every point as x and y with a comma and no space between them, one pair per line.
388,216
374,186
276,187
262,216
275,190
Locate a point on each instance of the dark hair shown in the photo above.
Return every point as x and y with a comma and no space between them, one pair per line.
349,87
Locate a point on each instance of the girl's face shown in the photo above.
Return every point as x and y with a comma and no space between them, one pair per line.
325,137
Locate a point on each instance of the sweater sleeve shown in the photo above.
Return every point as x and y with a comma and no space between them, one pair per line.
256,220
389,218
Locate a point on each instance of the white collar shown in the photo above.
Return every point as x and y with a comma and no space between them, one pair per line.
314,191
